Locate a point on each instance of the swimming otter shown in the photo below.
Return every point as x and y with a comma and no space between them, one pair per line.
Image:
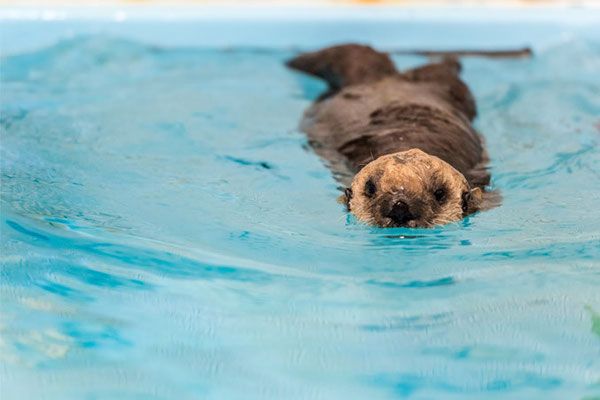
402,142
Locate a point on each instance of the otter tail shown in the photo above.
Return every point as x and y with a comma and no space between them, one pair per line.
345,65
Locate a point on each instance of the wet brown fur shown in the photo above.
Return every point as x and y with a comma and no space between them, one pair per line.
408,134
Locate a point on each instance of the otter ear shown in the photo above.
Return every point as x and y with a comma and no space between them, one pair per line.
477,195
345,198
472,201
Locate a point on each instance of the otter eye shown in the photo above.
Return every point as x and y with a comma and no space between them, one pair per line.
440,195
370,188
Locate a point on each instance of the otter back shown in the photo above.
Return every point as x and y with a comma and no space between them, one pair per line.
371,110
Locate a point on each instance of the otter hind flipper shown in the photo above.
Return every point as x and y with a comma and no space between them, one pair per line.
345,65
446,74
447,67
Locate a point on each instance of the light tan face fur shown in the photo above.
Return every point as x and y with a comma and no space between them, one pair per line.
411,189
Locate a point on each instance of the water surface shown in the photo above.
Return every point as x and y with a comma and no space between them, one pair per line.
168,233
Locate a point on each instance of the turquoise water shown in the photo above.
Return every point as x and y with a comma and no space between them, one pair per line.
168,234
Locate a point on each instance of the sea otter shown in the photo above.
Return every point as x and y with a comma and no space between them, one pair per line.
402,142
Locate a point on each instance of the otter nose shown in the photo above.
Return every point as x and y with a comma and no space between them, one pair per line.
400,213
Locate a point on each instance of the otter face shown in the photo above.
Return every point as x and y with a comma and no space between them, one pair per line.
410,189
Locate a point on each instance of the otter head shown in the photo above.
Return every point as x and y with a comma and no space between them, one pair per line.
410,189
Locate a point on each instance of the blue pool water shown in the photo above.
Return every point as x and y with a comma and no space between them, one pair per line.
168,234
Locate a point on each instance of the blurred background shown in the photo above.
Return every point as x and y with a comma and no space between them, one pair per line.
552,3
